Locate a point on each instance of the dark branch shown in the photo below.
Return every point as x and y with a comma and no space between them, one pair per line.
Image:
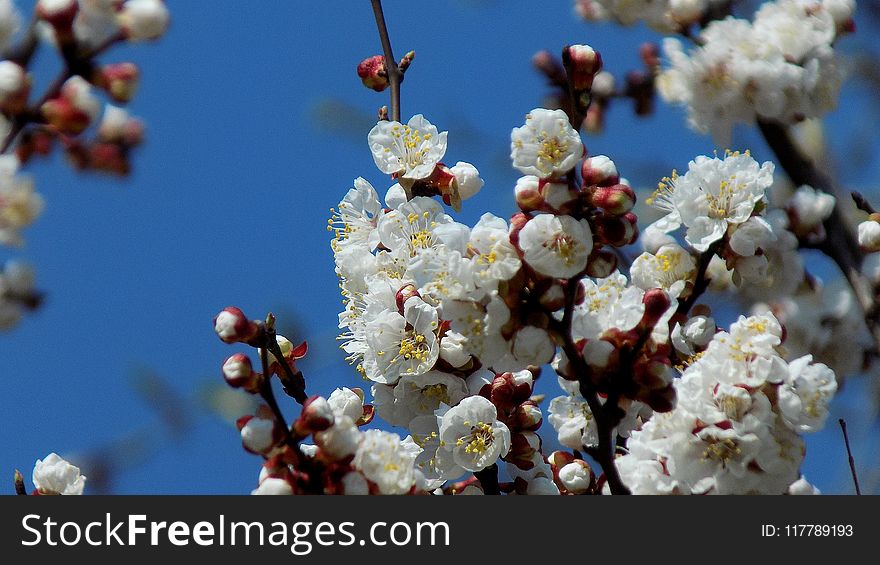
391,68
852,462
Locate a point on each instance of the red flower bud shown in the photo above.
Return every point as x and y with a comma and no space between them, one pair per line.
373,73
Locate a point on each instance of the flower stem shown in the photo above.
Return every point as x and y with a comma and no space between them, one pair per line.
390,62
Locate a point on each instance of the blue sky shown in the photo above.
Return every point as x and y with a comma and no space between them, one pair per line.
256,126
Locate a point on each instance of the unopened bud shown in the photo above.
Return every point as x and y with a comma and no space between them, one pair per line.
577,477
58,13
238,371
231,326
617,199
143,20
599,170
403,294
602,263
120,80
869,235
14,87
373,73
616,231
650,55
527,416
406,62
316,416
259,434
656,301
582,62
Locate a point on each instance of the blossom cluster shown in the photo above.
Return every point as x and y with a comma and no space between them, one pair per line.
736,428
70,114
779,66
666,16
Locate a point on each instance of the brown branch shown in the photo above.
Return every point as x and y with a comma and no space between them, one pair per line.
852,462
391,68
840,243
605,418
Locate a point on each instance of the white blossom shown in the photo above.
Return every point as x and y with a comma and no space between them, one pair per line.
411,150
383,459
546,146
54,475
556,246
712,196
472,433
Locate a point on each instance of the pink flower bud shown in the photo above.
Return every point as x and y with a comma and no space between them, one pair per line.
650,55
527,416
231,326
599,170
316,416
617,199
582,63
15,86
373,73
656,303
238,371
58,13
260,433
120,80
403,294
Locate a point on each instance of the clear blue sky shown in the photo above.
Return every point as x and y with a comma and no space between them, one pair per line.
246,105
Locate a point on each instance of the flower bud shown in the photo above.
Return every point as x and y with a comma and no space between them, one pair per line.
656,303
599,170
650,54
468,179
316,416
238,371
59,14
869,235
403,294
108,157
231,326
119,128
616,231
527,416
523,446
373,73
603,85
617,199
582,62
14,87
120,80
260,433
143,19
553,298
528,195
577,477
559,459
73,109
602,263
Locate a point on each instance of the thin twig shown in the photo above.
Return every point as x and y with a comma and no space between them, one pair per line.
852,462
390,62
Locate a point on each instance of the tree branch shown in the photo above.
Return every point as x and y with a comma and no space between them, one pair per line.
391,67
840,243
605,423
852,462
